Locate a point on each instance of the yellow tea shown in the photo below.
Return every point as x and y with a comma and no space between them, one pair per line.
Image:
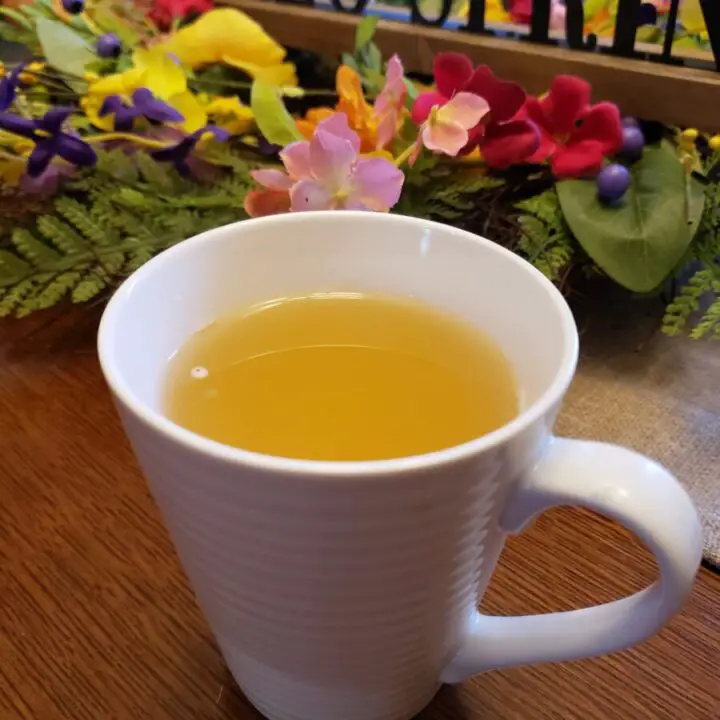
340,376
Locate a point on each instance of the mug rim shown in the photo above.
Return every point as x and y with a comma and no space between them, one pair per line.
334,468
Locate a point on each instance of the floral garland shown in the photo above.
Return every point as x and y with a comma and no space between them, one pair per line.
143,127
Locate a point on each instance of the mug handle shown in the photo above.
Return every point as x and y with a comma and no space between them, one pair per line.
626,487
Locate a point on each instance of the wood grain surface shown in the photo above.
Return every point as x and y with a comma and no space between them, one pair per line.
97,621
669,93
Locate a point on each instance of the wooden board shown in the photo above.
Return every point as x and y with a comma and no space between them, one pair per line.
676,95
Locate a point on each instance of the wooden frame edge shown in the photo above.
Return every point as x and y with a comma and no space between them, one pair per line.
672,94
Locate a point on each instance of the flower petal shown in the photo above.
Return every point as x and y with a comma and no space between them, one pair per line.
309,195
581,159
331,159
296,159
164,77
509,143
395,70
505,98
448,138
337,124
18,125
464,109
75,151
601,123
52,121
376,184
190,110
258,203
273,179
565,102
424,103
452,71
40,158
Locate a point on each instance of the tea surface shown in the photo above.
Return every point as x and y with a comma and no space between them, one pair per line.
340,376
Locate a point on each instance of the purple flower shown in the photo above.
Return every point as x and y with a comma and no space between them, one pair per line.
8,87
50,140
144,104
179,153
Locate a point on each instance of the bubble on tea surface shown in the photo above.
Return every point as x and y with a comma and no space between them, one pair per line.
199,373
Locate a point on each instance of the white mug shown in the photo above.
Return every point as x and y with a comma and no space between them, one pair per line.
349,590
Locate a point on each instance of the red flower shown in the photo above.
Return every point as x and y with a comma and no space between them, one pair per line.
163,12
503,138
575,136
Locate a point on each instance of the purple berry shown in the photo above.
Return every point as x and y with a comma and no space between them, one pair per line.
630,122
633,142
73,6
108,45
612,182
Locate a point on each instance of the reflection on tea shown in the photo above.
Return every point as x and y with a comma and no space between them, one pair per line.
340,376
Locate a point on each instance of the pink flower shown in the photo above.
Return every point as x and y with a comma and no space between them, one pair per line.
446,128
326,173
390,102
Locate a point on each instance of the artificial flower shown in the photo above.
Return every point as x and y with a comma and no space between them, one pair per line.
179,153
495,12
575,136
153,70
313,117
260,203
164,12
12,168
50,140
521,12
327,173
355,107
502,137
144,104
389,106
8,87
693,19
376,124
226,35
446,128
229,114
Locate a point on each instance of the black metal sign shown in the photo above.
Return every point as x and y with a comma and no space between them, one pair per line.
631,14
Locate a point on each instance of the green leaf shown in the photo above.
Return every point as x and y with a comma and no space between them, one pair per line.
271,116
412,93
639,242
365,31
65,50
18,17
372,58
695,203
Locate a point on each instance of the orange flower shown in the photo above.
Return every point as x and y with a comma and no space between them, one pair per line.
312,119
360,114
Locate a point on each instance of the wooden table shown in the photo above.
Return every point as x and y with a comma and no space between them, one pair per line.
97,621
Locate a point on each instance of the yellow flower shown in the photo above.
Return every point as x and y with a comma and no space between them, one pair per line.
155,70
714,143
225,35
11,169
230,114
692,18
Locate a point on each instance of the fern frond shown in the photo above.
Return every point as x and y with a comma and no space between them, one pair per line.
77,215
709,323
686,302
545,240
61,235
35,252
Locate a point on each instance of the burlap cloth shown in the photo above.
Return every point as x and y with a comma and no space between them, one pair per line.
657,395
